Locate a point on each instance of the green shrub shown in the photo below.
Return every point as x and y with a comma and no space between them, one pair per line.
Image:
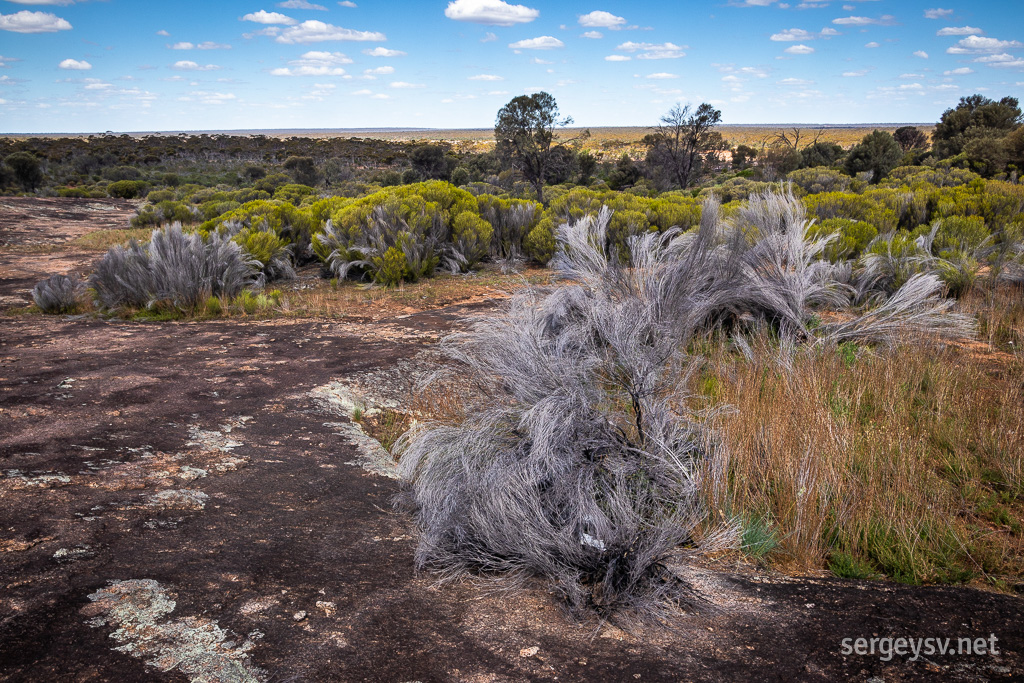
127,189
540,242
471,239
852,237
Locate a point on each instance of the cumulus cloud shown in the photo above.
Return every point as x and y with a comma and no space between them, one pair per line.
938,13
300,4
653,50
379,71
884,20
592,34
921,53
488,38
600,19
162,32
539,43
962,71
799,50
871,44
618,58
662,76
490,12
486,77
188,65
315,63
181,46
313,31
855,74
959,31
795,81
1001,61
979,45
33,22
383,52
265,17
402,85
75,65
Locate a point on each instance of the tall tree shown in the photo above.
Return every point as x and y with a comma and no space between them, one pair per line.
975,117
26,170
678,149
910,137
878,152
525,131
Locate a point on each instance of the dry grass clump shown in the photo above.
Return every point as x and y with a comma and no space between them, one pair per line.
906,463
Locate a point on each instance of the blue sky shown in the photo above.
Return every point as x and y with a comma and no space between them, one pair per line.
94,65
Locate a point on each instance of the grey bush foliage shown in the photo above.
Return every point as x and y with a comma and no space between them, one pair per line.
174,269
580,460
58,294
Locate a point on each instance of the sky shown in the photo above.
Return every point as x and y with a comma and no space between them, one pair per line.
83,66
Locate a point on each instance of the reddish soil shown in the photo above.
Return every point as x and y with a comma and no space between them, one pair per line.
193,455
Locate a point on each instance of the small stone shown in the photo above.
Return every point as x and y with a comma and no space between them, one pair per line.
329,608
529,651
299,616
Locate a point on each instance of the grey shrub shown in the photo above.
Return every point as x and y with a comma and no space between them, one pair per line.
58,294
174,269
580,460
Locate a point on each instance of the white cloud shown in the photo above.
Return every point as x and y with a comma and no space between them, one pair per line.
1004,57
486,77
210,45
363,92
211,97
1015,64
383,52
855,74
921,53
33,22
601,19
490,12
962,71
402,85
592,34
792,34
538,60
75,65
539,43
300,4
872,44
618,58
380,71
978,44
313,31
380,96
653,50
795,81
911,86
265,17
187,65
884,20
662,76
799,50
182,46
315,63
347,3
488,38
162,32
937,13
959,31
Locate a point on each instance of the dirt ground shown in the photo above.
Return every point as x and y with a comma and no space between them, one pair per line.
190,501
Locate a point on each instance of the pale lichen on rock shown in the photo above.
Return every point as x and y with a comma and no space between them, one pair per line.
195,646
